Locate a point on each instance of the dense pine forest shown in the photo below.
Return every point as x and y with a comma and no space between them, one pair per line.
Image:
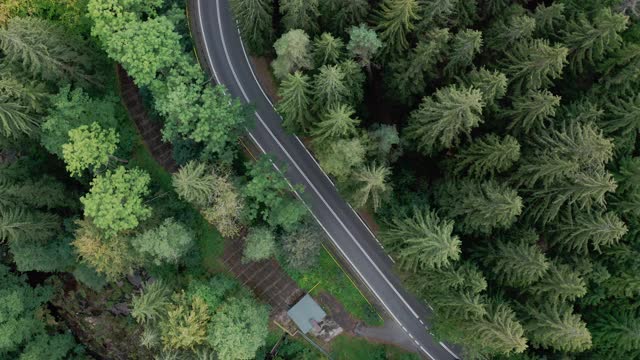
496,142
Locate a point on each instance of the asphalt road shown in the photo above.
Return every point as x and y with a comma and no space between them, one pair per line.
220,44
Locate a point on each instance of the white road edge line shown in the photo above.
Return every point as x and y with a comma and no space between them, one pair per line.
302,173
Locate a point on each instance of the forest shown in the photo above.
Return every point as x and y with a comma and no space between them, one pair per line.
494,142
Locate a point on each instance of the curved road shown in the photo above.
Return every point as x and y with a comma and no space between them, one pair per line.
219,42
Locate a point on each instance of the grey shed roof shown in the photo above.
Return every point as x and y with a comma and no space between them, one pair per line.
304,311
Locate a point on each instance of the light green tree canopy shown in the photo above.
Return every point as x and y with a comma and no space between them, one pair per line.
260,244
116,200
167,243
293,50
89,147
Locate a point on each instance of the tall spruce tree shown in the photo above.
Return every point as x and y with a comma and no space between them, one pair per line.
396,19
479,207
327,49
443,118
255,19
330,87
422,240
488,155
532,110
534,64
508,32
337,123
339,15
372,186
555,326
295,93
517,262
300,14
465,46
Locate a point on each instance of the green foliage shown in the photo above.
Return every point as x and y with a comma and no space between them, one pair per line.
214,291
488,155
295,93
384,143
372,186
535,64
150,306
20,225
480,207
422,241
560,283
112,257
293,50
24,332
615,331
492,84
302,247
185,326
407,75
549,18
533,110
195,183
115,201
167,243
54,255
45,50
70,110
327,49
338,15
557,327
499,331
588,231
442,118
508,32
89,277
89,147
396,18
342,158
337,123
239,328
260,245
254,18
329,87
268,197
363,44
300,14
588,41
517,262
465,46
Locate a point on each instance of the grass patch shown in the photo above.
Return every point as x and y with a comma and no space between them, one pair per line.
209,241
334,280
347,347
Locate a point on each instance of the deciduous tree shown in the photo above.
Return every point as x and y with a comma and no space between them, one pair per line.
167,243
293,50
89,147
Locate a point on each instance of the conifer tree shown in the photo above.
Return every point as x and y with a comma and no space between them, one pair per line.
534,64
532,110
363,44
434,13
479,207
499,332
616,331
506,33
150,305
255,18
300,14
517,262
372,186
623,117
492,84
44,49
21,225
329,87
619,70
549,18
342,157
559,284
441,119
195,183
327,50
15,119
588,230
45,192
488,155
339,15
295,94
293,52
555,326
422,240
396,19
466,45
354,80
581,191
407,76
337,123
560,154
588,41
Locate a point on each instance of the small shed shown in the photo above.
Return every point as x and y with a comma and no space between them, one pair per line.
306,314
